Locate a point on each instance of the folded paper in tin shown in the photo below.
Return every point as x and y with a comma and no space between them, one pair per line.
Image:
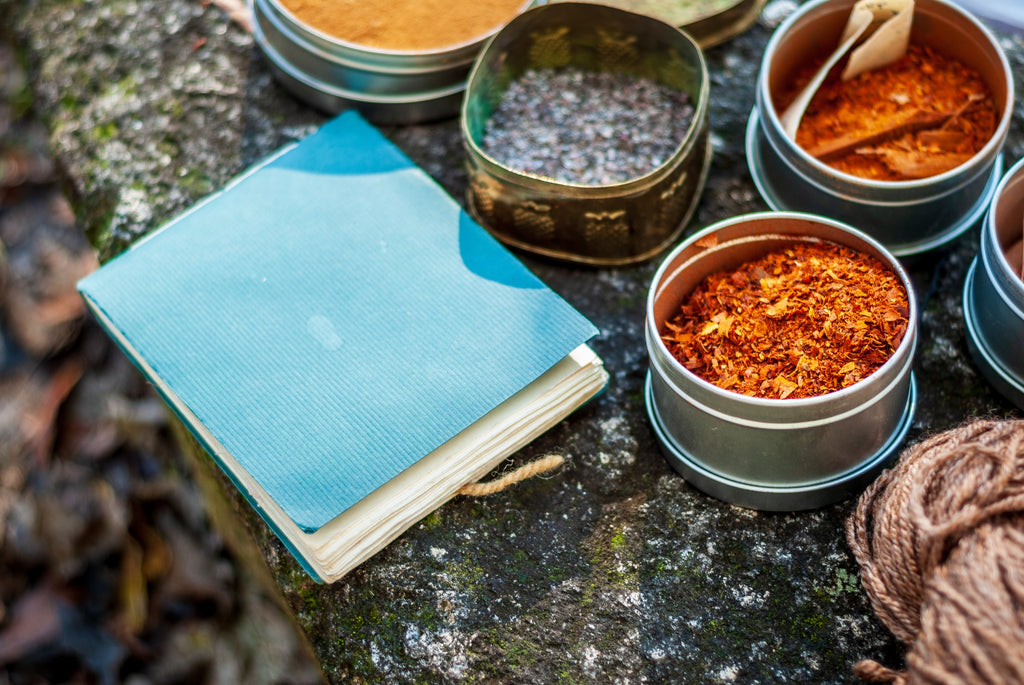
886,23
345,341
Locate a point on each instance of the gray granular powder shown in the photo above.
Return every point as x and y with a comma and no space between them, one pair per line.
586,127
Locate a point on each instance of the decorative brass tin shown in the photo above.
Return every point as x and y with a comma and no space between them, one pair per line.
612,224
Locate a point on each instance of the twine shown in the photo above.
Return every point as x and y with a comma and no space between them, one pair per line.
525,471
940,542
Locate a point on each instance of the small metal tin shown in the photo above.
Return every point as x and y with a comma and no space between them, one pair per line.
908,217
386,86
771,454
602,225
993,297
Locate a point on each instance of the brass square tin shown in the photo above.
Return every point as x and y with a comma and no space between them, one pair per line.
614,224
773,454
993,297
908,217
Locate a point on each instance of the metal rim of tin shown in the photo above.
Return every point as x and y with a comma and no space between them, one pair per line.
709,29
525,178
616,261
993,299
998,375
887,257
690,402
851,193
756,150
386,86
318,55
718,28
381,109
768,498
695,141
387,58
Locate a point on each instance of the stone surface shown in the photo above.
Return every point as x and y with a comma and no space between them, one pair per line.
613,569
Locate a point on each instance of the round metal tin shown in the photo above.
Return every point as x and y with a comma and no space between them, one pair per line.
908,217
771,453
386,86
993,298
380,109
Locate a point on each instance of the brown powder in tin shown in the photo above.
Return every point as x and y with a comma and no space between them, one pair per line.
415,25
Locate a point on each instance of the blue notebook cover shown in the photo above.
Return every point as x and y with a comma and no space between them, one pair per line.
331,316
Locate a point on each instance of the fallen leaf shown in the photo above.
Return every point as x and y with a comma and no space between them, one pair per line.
133,595
38,420
34,621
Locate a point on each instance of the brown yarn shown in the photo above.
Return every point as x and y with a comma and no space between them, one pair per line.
940,542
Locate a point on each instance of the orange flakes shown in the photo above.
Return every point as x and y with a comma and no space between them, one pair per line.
801,321
920,116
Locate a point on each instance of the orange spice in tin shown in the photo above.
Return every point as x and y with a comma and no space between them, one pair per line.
801,321
405,25
923,115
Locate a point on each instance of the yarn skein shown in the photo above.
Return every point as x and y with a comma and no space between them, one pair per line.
940,543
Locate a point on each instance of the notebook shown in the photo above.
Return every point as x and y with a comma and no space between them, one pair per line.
347,343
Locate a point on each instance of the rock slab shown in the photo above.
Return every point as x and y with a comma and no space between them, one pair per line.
613,569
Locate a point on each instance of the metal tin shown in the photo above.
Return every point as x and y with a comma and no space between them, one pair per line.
611,224
779,455
708,23
994,293
386,86
908,217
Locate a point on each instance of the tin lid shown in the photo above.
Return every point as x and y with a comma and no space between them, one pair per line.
780,498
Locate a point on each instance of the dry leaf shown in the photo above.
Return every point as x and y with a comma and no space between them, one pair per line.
33,622
133,594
